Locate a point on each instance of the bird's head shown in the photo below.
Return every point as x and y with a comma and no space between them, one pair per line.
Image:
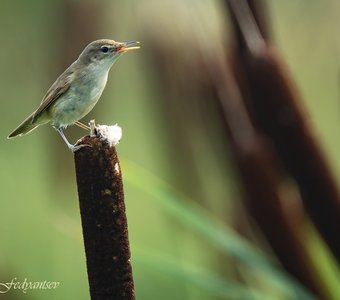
105,52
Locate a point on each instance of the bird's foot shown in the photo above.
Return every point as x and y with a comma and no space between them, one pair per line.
76,147
92,124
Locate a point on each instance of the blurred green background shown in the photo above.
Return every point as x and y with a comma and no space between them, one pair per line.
182,198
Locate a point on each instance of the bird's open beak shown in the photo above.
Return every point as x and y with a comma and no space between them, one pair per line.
128,46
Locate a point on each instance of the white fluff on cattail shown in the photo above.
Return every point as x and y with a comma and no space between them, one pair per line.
112,134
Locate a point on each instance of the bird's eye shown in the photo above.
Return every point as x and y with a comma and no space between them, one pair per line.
104,49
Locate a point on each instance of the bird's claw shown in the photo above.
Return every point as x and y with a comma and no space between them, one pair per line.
76,147
92,124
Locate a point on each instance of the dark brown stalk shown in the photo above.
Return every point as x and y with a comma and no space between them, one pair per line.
275,106
102,209
261,176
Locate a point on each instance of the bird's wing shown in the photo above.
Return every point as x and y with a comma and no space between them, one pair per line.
58,88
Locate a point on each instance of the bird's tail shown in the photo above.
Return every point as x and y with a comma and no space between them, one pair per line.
25,127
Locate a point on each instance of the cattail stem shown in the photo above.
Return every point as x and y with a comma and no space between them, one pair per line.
102,209
276,109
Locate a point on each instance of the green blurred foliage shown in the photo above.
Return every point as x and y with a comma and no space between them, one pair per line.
39,215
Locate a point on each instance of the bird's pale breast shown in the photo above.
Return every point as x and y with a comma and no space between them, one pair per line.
79,99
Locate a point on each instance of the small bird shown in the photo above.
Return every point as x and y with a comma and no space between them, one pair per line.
77,90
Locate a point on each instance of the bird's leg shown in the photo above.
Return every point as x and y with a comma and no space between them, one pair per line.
92,124
73,148
81,125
